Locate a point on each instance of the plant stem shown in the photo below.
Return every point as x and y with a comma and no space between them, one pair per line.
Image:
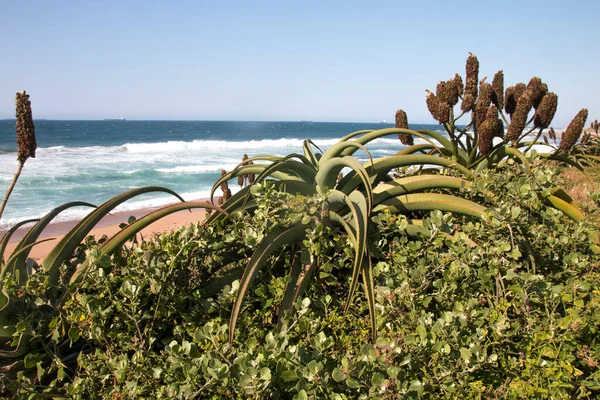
10,188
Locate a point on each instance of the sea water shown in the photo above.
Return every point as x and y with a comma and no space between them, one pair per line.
93,161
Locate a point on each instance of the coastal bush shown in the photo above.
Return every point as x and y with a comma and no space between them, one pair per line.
504,318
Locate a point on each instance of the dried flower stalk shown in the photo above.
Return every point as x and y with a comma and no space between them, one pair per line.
545,111
519,118
573,131
402,123
438,109
498,90
26,143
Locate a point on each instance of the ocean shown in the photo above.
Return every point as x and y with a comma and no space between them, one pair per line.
95,160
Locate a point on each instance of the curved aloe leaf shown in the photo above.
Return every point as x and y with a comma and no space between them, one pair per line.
13,266
410,184
358,207
271,243
309,153
429,202
367,274
243,170
415,148
6,238
329,170
355,134
33,234
572,212
387,164
238,201
423,134
497,155
299,280
116,241
10,263
337,149
294,169
71,240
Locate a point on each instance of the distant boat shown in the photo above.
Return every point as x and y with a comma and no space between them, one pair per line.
383,122
115,119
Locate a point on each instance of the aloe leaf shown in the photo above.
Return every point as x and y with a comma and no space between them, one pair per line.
238,201
309,153
496,156
562,158
387,164
564,196
19,269
423,134
415,148
431,201
292,170
355,134
116,241
367,274
271,243
33,234
329,170
337,149
243,170
417,183
293,282
6,238
22,273
73,238
335,217
358,207
572,212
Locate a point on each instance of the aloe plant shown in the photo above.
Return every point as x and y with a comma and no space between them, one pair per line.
16,272
349,202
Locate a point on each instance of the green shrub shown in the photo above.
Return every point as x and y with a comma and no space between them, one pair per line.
506,318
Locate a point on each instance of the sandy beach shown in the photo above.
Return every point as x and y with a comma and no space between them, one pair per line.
109,225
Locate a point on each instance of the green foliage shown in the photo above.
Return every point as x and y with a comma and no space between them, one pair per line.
515,316
32,296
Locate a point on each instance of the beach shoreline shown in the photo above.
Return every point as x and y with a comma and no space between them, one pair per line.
109,225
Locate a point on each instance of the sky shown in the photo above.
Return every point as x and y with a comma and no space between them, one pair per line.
285,60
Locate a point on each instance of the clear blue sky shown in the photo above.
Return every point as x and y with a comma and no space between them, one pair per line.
285,60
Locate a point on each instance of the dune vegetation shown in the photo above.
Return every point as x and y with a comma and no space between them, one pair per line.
467,265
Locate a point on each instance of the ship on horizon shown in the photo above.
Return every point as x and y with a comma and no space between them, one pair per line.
115,119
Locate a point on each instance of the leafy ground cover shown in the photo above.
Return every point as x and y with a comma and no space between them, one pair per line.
503,307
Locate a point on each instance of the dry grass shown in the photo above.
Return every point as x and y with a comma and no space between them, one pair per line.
579,187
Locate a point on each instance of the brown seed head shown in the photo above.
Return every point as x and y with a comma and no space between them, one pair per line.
26,142
519,90
487,131
401,119
545,111
226,194
447,92
472,67
595,126
573,131
470,96
402,123
536,90
483,102
510,100
438,109
459,84
519,118
498,90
